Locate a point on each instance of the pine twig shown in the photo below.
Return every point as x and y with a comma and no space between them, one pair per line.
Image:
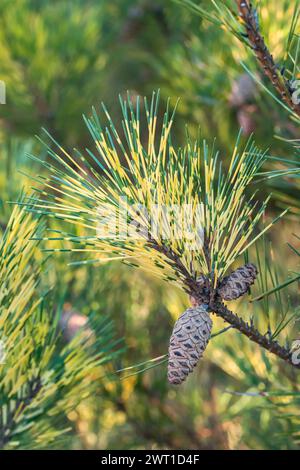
217,307
252,333
248,16
20,405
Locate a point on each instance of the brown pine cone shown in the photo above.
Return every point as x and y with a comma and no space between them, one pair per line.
189,339
202,295
237,283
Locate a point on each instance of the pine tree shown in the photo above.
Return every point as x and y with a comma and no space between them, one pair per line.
41,378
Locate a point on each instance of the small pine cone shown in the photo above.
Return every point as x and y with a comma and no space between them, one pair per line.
189,339
237,283
201,297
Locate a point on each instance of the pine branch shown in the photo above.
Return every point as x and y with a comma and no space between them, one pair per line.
6,431
217,307
252,333
160,174
40,376
248,16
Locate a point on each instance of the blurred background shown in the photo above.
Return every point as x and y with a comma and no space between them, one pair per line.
58,59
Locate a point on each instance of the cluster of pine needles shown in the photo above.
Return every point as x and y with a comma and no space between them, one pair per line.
134,174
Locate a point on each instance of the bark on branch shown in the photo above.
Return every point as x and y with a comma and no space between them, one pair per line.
252,333
248,16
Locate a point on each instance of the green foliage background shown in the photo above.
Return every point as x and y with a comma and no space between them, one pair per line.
58,58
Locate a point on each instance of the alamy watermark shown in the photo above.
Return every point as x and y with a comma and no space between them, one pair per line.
294,86
2,92
295,352
295,349
2,351
136,222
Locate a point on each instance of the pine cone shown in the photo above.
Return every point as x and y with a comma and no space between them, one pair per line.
237,283
202,295
189,339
